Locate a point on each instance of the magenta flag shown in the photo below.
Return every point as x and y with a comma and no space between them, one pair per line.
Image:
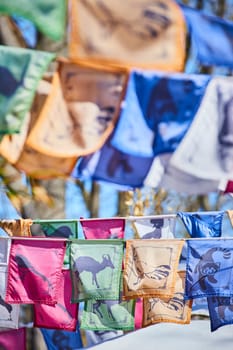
35,269
13,339
61,316
138,315
103,228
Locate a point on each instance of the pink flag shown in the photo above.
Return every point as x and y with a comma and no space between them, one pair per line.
103,228
13,339
35,269
61,316
138,315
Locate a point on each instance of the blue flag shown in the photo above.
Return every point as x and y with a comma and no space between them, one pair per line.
211,36
203,225
220,311
114,166
60,340
157,111
27,30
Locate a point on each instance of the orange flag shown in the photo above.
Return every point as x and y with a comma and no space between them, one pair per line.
18,227
146,34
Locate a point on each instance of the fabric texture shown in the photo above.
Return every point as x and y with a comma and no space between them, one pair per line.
96,269
35,268
58,339
103,228
151,34
220,311
13,339
150,267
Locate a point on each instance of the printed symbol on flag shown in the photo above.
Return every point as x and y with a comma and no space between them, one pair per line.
88,264
7,306
223,305
8,82
143,269
25,267
108,303
174,304
207,267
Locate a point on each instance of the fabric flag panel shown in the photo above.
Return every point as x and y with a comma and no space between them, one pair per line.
174,310
103,228
220,311
113,166
61,316
138,314
150,267
96,269
27,30
160,227
20,70
49,17
209,268
58,339
9,314
150,34
203,26
203,224
209,155
230,216
13,339
17,227
158,110
35,268
109,315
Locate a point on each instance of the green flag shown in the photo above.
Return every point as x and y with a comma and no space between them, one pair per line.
20,72
48,16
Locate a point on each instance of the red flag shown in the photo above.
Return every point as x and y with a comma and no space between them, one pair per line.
35,269
14,339
61,316
103,228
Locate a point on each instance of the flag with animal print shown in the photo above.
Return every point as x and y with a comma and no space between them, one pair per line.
161,227
150,267
96,269
209,268
49,17
20,71
220,311
13,339
173,310
9,314
64,314
103,228
146,34
35,270
203,224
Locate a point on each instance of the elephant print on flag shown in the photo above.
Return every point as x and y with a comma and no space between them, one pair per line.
173,310
150,267
209,268
96,269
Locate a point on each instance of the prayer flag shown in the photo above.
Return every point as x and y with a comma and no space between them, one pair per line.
161,227
17,227
174,309
20,71
13,339
138,315
113,166
209,268
203,224
209,155
147,34
58,339
96,269
27,30
157,111
203,26
220,311
103,228
49,17
150,267
35,268
63,315
230,216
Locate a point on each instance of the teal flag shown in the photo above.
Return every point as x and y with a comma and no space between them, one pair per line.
107,315
96,269
20,73
48,16
60,228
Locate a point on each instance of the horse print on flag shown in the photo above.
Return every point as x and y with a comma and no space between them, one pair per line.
150,267
96,269
209,268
